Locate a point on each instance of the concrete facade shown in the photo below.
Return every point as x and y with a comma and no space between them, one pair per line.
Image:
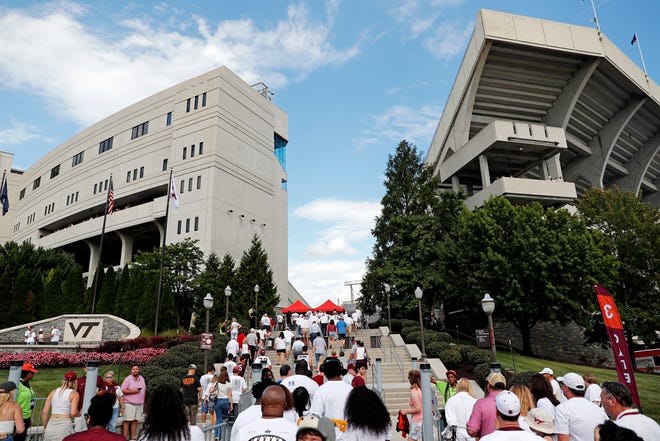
225,143
543,111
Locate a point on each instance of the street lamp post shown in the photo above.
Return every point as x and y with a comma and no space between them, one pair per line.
488,305
256,316
227,295
208,304
388,288
418,296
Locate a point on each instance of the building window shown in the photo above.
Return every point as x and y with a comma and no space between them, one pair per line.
178,227
134,174
204,99
106,145
188,225
196,223
139,130
201,147
68,197
196,101
192,151
128,176
54,171
77,159
105,187
199,182
36,183
77,195
182,187
21,195
185,152
95,187
165,164
188,105
190,181
169,119
142,172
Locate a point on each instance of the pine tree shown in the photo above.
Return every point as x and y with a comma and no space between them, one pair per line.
108,292
52,298
254,270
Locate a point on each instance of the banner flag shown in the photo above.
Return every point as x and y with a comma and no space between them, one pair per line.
624,367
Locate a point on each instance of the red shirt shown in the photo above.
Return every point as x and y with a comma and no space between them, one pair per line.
319,379
96,434
240,339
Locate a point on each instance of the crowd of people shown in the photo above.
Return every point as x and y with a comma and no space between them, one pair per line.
567,408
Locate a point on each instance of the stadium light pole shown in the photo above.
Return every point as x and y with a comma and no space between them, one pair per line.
227,295
388,288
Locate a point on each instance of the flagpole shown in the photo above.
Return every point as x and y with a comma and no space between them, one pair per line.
162,253
595,16
96,274
639,46
3,193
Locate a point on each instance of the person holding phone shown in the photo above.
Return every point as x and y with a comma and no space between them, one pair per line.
134,389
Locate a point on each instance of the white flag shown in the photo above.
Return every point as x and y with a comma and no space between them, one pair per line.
174,198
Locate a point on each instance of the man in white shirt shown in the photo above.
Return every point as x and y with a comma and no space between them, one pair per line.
264,360
556,390
576,418
288,339
204,382
232,347
297,347
55,335
238,388
507,406
253,412
272,424
330,399
301,379
617,402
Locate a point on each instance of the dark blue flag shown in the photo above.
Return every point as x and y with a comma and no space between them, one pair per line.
4,199
634,39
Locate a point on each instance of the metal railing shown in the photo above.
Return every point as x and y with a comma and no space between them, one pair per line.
224,429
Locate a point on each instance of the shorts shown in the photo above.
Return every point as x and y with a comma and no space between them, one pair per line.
305,332
265,327
415,430
204,406
342,336
281,351
332,334
133,412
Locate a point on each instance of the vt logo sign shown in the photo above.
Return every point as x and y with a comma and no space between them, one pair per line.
83,330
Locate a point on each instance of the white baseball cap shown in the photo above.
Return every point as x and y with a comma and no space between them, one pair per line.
573,381
547,371
507,403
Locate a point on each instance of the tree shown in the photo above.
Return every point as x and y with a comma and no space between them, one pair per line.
408,233
53,292
107,292
254,270
538,263
631,231
182,264
214,279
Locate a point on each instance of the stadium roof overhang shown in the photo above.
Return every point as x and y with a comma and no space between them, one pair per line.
543,111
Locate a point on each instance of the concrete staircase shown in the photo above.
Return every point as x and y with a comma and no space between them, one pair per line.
395,362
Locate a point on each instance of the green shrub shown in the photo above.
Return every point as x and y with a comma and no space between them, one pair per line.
450,357
169,361
157,375
520,378
443,336
407,323
397,325
413,336
480,373
405,331
478,356
465,352
433,349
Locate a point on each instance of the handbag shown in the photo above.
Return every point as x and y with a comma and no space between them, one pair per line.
214,395
403,425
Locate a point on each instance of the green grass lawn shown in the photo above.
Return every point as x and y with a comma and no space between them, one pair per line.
648,385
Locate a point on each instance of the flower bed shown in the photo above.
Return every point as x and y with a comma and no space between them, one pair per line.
58,359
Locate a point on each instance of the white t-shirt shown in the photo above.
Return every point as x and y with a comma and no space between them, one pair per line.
578,417
205,380
593,394
330,399
238,385
295,381
196,434
458,410
280,343
642,425
511,435
232,347
264,360
288,336
556,391
546,404
352,434
277,428
244,418
55,335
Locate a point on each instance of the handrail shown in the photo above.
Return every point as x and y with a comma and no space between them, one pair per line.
395,357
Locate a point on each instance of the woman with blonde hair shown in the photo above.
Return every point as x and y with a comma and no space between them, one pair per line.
526,402
415,410
459,408
11,415
64,404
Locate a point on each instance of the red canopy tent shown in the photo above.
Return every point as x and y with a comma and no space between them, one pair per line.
329,306
298,306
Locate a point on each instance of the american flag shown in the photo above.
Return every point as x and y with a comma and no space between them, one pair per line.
111,198
174,198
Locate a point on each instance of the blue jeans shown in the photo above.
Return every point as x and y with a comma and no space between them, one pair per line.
112,424
221,410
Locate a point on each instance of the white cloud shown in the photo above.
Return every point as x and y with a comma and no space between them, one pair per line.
86,75
448,40
349,225
18,133
319,280
403,122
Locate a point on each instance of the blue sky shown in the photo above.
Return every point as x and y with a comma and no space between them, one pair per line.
355,77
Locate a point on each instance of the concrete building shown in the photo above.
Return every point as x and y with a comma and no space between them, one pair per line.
542,111
225,143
